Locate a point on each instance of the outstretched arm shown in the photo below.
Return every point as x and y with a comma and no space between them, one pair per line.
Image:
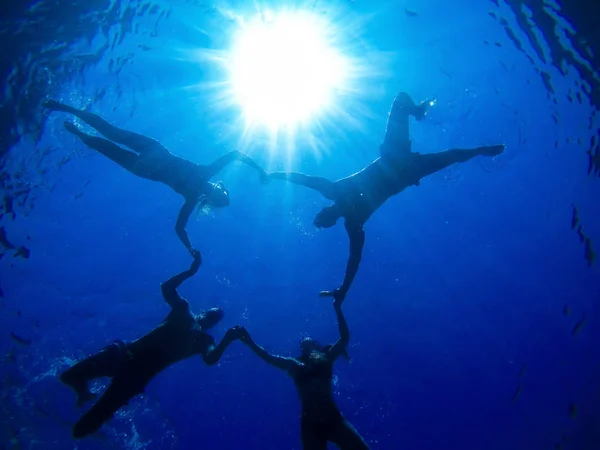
326,187
230,157
214,353
182,219
169,287
339,348
357,242
287,364
356,234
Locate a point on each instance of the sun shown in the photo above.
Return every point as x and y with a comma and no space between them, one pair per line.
284,68
289,79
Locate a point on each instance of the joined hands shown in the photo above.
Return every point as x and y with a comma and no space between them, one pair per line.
237,333
337,294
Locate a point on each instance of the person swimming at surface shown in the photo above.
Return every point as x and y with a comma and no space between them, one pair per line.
149,159
357,197
312,372
132,365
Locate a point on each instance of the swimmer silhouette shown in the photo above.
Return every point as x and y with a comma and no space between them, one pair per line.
149,159
132,365
321,420
358,196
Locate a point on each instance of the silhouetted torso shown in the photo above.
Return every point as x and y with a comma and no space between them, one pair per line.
314,383
184,177
362,193
178,337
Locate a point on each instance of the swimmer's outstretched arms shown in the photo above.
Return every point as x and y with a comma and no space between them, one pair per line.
147,158
132,365
312,372
356,197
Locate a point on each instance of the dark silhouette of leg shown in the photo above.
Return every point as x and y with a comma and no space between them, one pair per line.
346,437
122,157
137,142
397,139
396,142
434,162
107,363
310,438
116,396
326,187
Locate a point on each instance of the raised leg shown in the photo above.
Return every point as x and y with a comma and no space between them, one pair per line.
107,363
323,185
397,131
122,157
310,439
116,396
396,141
435,162
136,142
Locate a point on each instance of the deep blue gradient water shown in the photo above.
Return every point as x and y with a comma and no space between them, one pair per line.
465,315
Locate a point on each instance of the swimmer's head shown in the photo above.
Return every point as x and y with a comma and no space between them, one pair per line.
308,346
209,318
311,350
327,217
218,197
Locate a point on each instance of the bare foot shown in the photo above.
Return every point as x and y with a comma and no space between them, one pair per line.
72,128
493,150
422,108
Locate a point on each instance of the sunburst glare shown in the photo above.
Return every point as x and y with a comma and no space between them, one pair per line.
296,75
285,68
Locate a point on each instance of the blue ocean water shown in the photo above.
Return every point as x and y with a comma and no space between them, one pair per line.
474,314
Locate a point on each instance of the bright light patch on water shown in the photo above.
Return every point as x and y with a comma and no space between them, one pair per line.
285,69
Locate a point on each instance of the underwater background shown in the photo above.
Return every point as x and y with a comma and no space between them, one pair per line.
474,315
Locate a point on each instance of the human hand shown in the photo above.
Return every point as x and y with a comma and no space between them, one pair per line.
235,333
337,294
245,336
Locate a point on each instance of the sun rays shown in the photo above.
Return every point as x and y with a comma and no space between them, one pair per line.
289,78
